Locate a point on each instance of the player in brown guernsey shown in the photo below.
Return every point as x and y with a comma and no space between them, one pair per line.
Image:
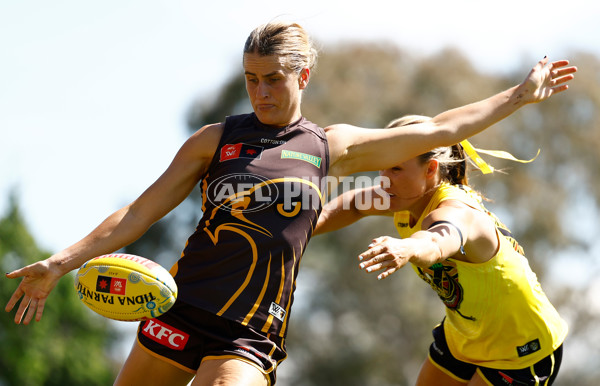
260,176
276,218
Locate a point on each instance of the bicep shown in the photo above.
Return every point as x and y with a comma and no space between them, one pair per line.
455,227
354,149
188,167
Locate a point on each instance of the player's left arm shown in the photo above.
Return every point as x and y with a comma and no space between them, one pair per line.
353,149
452,230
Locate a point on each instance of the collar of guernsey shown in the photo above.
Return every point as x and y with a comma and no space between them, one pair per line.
444,192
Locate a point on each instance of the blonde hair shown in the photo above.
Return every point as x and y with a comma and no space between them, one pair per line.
288,40
452,159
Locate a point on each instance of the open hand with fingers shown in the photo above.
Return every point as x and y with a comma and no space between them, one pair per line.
387,255
545,80
38,281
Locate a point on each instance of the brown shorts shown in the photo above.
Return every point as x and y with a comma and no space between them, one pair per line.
185,336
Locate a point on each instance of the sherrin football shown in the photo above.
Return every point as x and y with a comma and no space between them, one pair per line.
125,287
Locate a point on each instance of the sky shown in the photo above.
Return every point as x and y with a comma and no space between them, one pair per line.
93,95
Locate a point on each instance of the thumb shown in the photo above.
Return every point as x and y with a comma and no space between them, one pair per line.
17,273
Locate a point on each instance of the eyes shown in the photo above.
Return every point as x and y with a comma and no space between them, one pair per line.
271,80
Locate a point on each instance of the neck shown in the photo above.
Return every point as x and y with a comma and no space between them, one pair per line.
417,208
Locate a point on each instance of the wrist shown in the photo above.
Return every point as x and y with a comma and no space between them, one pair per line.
520,94
60,265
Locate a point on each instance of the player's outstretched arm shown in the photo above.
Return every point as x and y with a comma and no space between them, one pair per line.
120,229
354,149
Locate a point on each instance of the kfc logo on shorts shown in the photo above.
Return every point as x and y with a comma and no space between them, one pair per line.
166,335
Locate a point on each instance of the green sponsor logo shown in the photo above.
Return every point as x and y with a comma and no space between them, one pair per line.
312,159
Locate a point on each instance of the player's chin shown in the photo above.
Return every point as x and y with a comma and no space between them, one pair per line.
396,205
272,116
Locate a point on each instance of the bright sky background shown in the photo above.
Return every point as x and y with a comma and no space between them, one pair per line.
93,94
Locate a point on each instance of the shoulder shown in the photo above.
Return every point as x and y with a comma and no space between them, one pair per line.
340,139
337,132
312,128
457,193
477,228
205,141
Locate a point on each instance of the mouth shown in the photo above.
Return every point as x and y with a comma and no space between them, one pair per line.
389,194
264,107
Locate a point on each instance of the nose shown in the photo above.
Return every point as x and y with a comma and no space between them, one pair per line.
385,180
262,90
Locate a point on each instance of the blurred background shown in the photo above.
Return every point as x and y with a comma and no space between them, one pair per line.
96,98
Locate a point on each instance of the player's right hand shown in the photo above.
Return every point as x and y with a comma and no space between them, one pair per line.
38,281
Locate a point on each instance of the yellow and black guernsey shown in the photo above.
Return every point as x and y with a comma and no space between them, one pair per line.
496,312
261,200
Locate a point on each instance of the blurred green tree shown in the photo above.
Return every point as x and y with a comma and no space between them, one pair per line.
71,346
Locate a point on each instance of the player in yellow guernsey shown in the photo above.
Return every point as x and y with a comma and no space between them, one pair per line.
500,328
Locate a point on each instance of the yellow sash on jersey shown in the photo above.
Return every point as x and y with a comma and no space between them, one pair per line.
484,166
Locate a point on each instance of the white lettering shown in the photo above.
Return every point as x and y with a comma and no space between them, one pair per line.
172,339
225,191
383,202
150,326
163,332
291,191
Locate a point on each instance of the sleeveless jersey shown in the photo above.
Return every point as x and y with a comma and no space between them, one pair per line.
261,200
496,312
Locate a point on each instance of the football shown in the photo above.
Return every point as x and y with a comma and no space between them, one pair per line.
125,287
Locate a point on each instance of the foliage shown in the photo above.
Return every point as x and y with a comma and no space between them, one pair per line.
69,346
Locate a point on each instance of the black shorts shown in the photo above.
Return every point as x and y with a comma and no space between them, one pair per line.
185,336
542,373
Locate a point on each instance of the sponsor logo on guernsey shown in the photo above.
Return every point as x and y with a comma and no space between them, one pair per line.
311,159
240,150
277,311
528,348
272,141
166,335
111,285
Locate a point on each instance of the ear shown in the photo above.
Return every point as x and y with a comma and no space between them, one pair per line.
303,78
432,168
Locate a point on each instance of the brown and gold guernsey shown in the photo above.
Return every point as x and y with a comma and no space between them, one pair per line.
261,200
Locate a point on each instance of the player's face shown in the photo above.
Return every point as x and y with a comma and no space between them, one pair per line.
409,181
274,91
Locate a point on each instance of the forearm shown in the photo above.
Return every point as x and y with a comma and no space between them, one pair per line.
120,229
338,213
424,253
430,248
354,149
454,125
